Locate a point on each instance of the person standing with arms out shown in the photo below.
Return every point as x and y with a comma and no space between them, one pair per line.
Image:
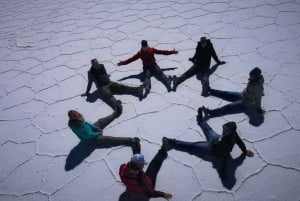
108,88
201,64
150,67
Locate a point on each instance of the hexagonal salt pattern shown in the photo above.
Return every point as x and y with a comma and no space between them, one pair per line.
45,52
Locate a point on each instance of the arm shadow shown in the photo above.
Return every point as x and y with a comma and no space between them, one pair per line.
213,69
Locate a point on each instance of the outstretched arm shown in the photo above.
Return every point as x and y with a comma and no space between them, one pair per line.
131,59
242,146
215,57
165,52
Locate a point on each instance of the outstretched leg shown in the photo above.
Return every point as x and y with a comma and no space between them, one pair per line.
188,74
210,134
134,143
155,164
157,72
147,81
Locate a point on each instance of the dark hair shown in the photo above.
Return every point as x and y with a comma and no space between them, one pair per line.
69,112
231,125
255,72
144,43
93,60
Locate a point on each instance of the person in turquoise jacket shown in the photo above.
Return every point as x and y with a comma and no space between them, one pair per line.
93,133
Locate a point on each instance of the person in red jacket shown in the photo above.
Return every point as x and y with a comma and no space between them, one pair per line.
150,67
140,185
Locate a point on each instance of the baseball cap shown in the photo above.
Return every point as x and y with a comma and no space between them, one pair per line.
138,159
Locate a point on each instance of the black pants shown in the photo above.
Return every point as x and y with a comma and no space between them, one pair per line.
155,165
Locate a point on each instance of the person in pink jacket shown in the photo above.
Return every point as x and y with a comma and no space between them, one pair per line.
139,184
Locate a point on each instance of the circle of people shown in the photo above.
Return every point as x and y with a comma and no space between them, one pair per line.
140,183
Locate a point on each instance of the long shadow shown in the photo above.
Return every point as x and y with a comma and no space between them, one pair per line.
229,180
80,152
255,118
126,196
92,97
211,71
140,76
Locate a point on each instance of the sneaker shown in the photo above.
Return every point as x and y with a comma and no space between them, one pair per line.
135,145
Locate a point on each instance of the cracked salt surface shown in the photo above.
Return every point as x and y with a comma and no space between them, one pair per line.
45,50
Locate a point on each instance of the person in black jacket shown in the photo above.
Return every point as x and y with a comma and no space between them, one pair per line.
107,88
216,145
201,60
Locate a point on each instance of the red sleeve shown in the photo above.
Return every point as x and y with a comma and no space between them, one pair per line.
134,58
164,52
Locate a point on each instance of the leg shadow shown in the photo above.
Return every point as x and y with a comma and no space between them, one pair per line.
255,118
140,76
94,96
80,152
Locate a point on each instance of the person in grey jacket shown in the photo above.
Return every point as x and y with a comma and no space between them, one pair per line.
250,97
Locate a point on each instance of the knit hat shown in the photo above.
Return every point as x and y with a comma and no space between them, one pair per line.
144,43
255,72
138,159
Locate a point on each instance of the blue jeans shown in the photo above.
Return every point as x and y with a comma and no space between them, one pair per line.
199,148
234,97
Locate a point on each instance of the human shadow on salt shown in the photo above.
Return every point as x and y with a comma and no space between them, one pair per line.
255,118
127,196
229,179
141,76
94,96
80,152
